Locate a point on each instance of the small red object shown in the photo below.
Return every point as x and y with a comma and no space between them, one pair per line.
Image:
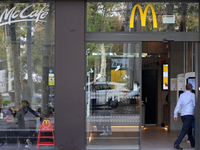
45,127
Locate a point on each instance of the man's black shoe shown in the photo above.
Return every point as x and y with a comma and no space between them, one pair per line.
193,145
177,147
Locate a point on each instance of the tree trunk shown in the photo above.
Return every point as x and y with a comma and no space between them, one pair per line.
8,52
103,63
15,56
29,55
48,60
103,54
6,44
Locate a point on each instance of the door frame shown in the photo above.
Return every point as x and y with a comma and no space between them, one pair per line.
141,36
66,51
197,92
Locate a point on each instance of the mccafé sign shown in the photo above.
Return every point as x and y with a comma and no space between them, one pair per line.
143,15
13,15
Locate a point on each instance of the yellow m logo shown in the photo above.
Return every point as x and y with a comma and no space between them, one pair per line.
143,15
46,123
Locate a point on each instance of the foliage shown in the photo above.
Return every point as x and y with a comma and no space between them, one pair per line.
38,87
37,40
116,12
5,102
104,16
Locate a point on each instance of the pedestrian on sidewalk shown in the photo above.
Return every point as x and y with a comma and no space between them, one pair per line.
186,102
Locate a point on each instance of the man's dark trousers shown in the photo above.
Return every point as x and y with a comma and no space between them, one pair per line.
186,129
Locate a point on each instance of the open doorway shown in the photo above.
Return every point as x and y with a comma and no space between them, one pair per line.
154,54
158,96
159,108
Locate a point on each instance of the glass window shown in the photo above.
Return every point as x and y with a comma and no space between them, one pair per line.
139,17
113,95
27,52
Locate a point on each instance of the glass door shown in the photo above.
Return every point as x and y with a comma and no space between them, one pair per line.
113,102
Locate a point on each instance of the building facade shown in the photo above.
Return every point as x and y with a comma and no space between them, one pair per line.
97,71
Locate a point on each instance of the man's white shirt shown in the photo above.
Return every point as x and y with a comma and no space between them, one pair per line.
186,102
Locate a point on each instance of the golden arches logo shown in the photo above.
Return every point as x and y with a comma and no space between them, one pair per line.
143,15
46,123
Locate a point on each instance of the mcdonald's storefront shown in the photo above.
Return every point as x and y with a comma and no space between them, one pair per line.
88,75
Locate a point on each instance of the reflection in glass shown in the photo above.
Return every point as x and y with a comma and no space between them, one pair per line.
26,56
115,17
113,95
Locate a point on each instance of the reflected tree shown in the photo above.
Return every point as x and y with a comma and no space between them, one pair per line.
6,44
15,49
48,58
102,13
29,53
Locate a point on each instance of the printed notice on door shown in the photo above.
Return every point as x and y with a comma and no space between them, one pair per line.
173,84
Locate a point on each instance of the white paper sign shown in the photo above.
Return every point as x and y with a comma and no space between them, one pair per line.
173,84
168,19
181,83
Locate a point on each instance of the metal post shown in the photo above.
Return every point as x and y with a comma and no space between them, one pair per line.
197,73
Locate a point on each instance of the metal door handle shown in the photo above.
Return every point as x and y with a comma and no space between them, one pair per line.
145,100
